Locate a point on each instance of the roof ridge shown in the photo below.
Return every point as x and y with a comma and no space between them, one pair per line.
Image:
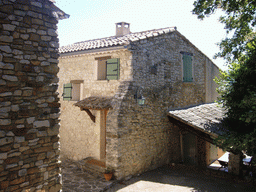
93,40
120,36
152,30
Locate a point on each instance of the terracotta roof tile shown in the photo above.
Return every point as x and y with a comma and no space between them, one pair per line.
112,41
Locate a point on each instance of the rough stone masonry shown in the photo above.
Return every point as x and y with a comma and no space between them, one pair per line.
29,107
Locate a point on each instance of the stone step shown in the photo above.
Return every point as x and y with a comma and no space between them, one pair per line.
93,166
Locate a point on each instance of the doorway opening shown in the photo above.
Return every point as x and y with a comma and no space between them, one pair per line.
189,143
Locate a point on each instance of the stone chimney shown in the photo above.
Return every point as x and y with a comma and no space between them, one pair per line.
122,28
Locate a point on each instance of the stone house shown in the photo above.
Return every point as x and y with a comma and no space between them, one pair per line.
116,92
29,107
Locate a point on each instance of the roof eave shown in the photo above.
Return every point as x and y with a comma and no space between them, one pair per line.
185,39
214,135
103,49
58,13
95,103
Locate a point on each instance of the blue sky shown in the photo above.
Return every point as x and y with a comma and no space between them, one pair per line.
92,19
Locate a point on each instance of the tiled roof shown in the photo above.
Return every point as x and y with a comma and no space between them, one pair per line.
94,102
114,41
205,117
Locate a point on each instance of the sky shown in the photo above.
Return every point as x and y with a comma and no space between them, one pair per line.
93,19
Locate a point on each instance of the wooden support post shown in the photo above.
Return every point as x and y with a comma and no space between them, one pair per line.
181,147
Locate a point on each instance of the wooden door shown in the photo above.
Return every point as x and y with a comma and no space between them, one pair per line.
103,114
189,149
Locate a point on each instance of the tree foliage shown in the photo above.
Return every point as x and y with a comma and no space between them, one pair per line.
237,86
237,89
239,20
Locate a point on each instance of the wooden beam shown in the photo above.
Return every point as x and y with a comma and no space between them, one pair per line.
103,58
89,113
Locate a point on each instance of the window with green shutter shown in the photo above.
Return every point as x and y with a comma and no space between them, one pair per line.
187,67
67,92
113,68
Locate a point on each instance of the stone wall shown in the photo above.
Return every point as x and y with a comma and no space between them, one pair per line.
29,108
212,71
235,164
138,138
79,135
212,153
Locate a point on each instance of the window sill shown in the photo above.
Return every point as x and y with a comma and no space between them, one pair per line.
105,80
71,100
188,82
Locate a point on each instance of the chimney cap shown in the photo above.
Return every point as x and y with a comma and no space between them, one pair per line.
119,23
122,28
122,22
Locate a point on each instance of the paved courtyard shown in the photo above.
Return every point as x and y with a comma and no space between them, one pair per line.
76,180
164,179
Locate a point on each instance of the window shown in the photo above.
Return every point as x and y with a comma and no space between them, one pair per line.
108,69
73,91
187,67
67,92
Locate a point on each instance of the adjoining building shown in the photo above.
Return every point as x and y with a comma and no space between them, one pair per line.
198,126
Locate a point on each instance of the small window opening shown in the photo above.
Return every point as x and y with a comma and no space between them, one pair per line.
73,91
108,69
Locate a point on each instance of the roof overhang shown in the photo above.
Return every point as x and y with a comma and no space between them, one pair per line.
94,103
206,118
96,50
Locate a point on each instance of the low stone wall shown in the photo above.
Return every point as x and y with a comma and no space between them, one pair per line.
235,164
29,108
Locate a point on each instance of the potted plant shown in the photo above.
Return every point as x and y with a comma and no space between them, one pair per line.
108,173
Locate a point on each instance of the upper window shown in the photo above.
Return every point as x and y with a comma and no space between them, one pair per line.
108,69
187,67
72,91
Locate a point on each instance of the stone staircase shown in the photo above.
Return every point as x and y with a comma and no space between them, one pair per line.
92,166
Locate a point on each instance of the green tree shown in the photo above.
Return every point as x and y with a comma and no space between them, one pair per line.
237,86
239,20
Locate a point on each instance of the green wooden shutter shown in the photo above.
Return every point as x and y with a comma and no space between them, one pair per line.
187,68
67,91
113,68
